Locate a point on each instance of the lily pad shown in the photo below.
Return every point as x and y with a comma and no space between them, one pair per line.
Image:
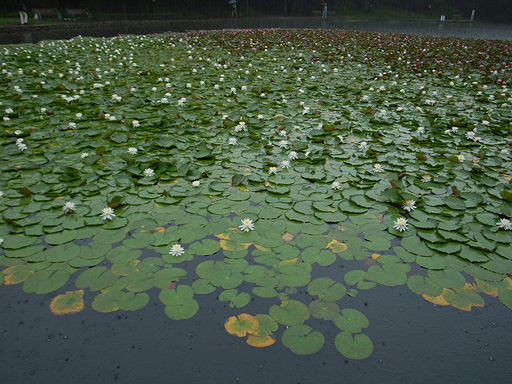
70,302
353,346
242,325
351,320
302,340
291,312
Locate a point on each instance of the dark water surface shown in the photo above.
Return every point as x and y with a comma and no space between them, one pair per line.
414,342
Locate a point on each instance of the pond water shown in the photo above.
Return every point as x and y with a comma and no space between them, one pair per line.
415,342
183,131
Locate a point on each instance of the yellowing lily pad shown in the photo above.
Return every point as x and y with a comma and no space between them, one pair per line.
463,298
16,274
241,325
260,341
70,302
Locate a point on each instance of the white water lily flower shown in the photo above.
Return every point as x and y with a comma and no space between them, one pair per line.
1,241
461,157
378,168
272,171
132,151
342,139
176,250
68,207
232,141
504,224
420,130
283,144
148,172
293,155
470,135
247,225
363,145
400,224
196,183
426,178
83,155
285,164
336,186
409,205
22,146
107,213
17,132
135,124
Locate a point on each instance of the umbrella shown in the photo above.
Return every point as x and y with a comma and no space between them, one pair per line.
232,2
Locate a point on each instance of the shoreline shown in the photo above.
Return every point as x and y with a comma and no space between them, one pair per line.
56,29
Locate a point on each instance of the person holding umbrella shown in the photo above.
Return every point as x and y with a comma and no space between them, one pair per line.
324,13
233,8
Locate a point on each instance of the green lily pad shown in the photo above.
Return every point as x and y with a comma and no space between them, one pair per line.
96,279
351,320
294,275
302,340
291,312
327,289
354,347
43,281
179,302
326,310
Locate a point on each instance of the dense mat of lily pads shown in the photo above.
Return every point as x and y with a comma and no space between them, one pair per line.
248,166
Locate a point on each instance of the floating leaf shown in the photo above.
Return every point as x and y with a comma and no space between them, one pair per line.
327,289
326,310
241,325
354,347
351,321
302,340
291,312
17,274
45,281
463,298
70,302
